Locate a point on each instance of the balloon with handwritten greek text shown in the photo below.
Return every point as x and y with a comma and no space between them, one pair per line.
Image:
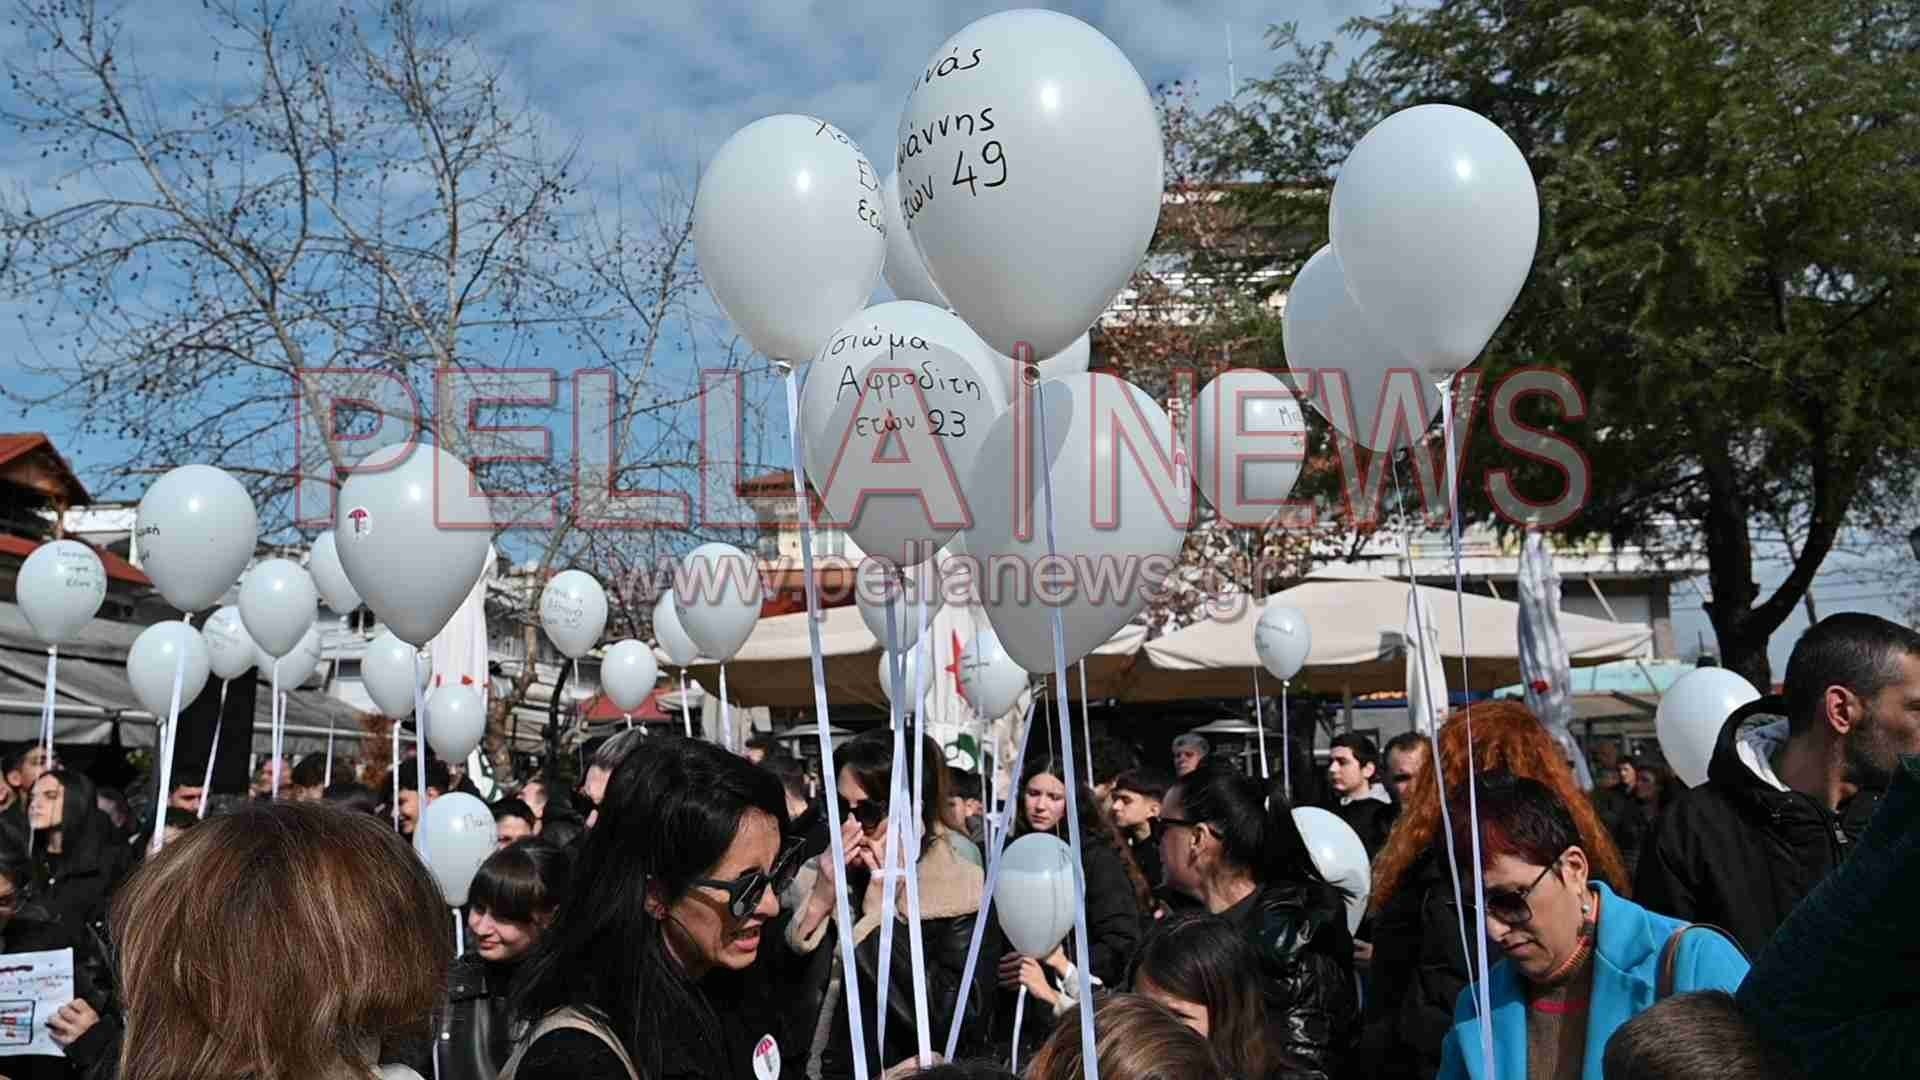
900,401
1435,217
790,232
60,587
906,272
1030,175
1352,366
455,836
1250,442
1121,505
195,531
573,611
230,650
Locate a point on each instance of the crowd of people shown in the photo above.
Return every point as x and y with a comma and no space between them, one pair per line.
674,914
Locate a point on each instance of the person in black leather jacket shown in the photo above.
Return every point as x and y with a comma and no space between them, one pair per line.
951,889
1236,850
77,861
510,904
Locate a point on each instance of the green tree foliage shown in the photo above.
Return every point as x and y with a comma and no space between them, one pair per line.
1728,262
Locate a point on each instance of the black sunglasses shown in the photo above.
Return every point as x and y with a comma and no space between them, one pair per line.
869,813
1510,906
745,891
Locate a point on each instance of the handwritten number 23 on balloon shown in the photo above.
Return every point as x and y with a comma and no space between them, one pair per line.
990,155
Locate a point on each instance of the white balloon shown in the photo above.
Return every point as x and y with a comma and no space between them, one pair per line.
903,397
725,605
230,650
1435,217
1034,897
60,587
335,587
1330,341
1283,639
195,531
913,594
1118,527
1340,856
278,603
297,666
989,679
1250,442
455,836
1030,175
387,670
456,721
906,272
1072,360
153,658
413,538
1691,714
789,231
628,673
671,636
917,658
573,609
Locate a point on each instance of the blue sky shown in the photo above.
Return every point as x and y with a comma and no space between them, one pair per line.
650,89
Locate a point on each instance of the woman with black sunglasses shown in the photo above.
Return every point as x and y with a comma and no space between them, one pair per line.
1577,960
1228,844
646,971
950,893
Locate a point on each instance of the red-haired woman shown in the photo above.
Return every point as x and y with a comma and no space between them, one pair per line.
1419,966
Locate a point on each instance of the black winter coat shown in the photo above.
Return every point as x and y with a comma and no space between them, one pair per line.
32,930
75,886
1419,969
1370,818
1626,820
1114,922
477,1024
1835,990
1306,955
1738,852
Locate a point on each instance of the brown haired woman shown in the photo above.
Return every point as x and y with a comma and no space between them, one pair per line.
1136,1039
282,941
1419,966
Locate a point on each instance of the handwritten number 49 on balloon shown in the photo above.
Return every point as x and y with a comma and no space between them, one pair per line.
990,155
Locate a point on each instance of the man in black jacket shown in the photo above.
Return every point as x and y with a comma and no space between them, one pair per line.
1360,799
1792,782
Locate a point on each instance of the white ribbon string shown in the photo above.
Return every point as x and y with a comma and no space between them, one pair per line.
726,715
1473,796
912,843
1260,727
459,933
1086,720
891,863
394,769
1083,966
686,711
213,751
47,706
273,725
856,1024
1019,1011
419,755
164,743
1286,739
326,781
995,845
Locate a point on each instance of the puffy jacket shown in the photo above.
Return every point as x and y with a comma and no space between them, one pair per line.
1306,957
951,889
1114,922
1419,969
1627,951
1835,988
1739,851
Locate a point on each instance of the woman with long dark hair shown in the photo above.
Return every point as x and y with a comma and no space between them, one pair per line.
78,860
640,974
1117,900
1229,845
951,889
512,902
1206,972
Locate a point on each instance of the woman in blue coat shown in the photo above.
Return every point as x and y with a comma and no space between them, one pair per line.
1576,959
